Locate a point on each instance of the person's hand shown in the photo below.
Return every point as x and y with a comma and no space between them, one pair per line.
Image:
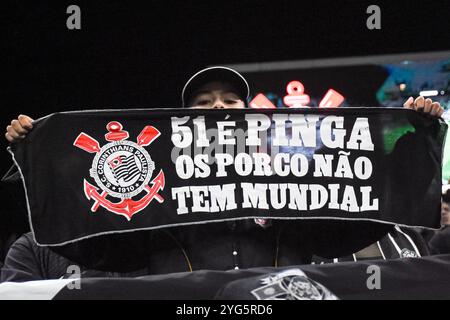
19,128
426,106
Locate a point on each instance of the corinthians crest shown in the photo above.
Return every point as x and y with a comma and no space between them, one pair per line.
292,284
122,169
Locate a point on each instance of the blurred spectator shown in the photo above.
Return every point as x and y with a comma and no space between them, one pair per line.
445,210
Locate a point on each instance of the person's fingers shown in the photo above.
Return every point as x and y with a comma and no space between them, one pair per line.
8,137
25,121
434,108
12,135
427,106
419,103
440,112
12,132
409,103
15,124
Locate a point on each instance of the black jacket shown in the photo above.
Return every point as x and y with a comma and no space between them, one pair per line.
215,246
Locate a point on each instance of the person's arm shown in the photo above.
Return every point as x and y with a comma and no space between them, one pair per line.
21,263
413,171
338,238
26,261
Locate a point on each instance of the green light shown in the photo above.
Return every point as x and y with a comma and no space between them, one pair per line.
446,158
391,136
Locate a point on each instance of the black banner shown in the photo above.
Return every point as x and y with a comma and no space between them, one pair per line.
100,172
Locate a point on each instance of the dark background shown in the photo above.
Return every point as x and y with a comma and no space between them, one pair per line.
133,54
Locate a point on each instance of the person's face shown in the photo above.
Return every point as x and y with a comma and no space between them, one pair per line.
445,213
216,95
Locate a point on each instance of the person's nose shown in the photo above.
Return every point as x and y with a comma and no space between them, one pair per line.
219,104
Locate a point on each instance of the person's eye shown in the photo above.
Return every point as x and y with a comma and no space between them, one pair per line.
230,101
202,102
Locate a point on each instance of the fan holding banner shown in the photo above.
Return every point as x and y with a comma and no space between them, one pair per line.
123,169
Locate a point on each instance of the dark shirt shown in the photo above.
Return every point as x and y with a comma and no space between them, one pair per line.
440,242
214,246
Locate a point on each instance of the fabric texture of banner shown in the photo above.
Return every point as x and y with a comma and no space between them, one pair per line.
93,173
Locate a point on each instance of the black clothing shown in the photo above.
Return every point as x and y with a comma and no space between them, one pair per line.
217,246
398,243
440,242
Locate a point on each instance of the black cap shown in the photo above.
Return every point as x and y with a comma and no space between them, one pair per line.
213,74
